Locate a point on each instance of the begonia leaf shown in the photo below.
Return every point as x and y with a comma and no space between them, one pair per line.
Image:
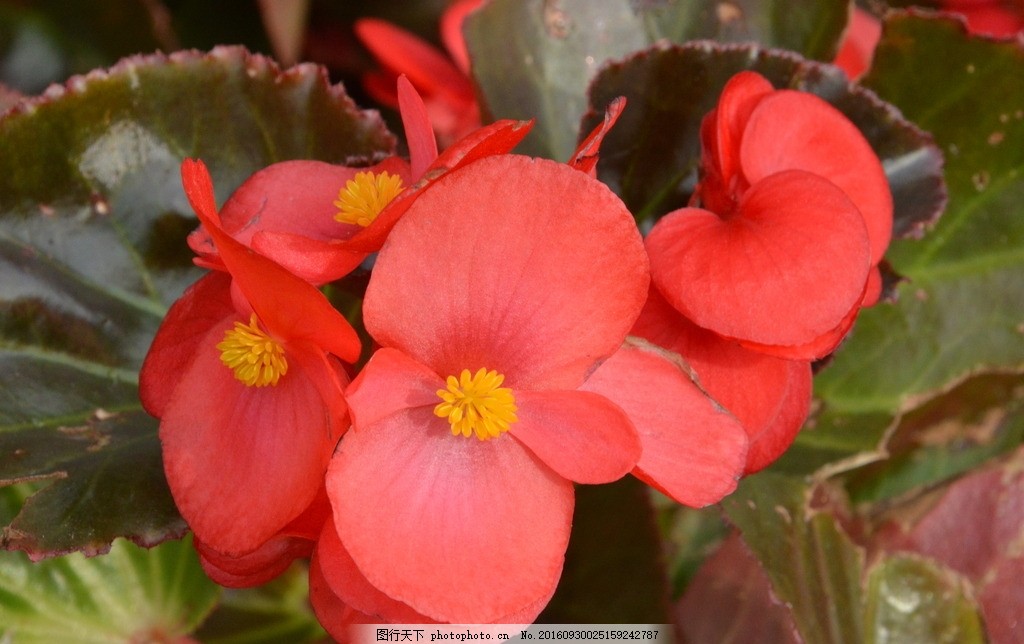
613,571
958,312
549,51
93,221
909,599
814,566
651,156
131,594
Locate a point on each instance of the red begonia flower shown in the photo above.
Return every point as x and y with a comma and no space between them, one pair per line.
999,18
289,211
445,85
250,403
770,396
796,212
693,450
494,298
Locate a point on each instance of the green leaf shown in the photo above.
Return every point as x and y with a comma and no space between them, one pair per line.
813,565
959,312
910,599
92,252
130,594
613,569
651,156
547,52
275,612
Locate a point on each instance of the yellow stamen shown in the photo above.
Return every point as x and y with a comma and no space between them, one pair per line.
256,358
477,404
365,196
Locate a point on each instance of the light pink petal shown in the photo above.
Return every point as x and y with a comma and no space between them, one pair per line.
204,305
581,435
786,268
693,450
770,396
498,266
459,529
242,462
390,382
791,130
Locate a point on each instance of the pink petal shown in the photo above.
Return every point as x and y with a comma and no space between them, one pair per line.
433,520
418,133
581,435
391,382
792,130
771,397
497,267
242,462
788,267
693,450
202,306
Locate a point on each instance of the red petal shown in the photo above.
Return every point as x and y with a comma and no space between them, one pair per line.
202,306
391,382
242,462
739,97
433,520
290,307
451,31
792,130
771,397
579,434
497,268
418,133
788,267
858,45
585,157
334,615
693,451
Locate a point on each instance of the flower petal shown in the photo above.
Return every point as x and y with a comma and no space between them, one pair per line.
203,305
581,435
786,268
791,130
587,152
419,135
461,530
289,306
693,450
770,396
390,382
242,462
497,267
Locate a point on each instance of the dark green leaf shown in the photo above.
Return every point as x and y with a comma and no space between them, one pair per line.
613,571
547,52
910,599
92,227
814,566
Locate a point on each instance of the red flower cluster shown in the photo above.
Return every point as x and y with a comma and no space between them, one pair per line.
501,301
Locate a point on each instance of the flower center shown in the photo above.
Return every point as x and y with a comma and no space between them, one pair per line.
365,195
256,358
477,404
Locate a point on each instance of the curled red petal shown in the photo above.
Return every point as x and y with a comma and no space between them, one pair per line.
290,307
585,157
581,435
693,450
418,133
786,268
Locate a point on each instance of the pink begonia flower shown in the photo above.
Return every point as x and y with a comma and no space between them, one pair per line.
444,82
493,300
770,396
243,377
795,214
321,220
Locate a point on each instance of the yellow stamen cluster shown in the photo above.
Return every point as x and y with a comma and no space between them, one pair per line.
365,196
256,358
477,404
